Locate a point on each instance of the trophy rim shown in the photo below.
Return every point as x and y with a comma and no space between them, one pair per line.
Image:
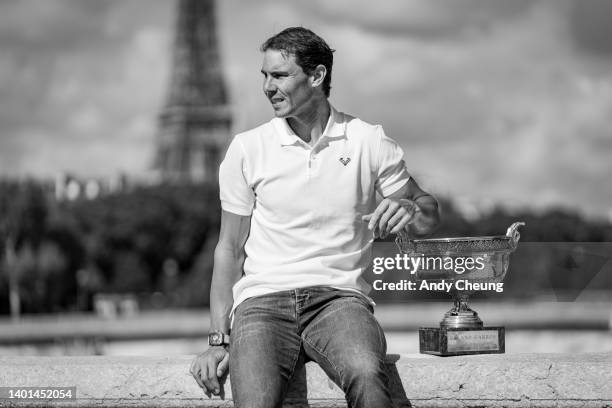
457,239
458,245
512,236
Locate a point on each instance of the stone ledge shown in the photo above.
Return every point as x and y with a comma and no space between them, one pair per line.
172,324
511,380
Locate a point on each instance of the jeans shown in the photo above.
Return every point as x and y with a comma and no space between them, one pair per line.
273,334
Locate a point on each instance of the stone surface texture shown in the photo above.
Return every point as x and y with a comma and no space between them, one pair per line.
514,380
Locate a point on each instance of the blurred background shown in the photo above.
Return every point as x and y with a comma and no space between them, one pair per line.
114,116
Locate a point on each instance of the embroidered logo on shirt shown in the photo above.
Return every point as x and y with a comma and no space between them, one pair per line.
345,161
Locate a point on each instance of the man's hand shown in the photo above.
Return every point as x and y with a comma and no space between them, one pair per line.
391,216
210,366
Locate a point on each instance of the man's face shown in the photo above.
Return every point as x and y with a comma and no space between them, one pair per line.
286,86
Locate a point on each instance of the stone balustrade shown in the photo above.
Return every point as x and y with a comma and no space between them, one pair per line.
510,380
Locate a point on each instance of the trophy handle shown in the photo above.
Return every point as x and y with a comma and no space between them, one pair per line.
404,244
514,234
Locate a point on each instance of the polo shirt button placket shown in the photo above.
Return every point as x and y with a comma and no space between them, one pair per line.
312,163
309,167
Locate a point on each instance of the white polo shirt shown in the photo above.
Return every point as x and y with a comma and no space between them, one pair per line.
306,202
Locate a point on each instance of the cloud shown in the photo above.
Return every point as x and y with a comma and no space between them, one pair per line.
497,100
74,75
435,19
591,28
514,116
30,26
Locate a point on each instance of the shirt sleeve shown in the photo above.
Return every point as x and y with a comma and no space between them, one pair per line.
236,195
392,173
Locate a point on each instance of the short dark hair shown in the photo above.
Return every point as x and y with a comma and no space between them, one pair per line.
309,50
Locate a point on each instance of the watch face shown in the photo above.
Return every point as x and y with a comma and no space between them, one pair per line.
215,339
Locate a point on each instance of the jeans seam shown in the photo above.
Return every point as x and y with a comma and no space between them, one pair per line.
293,365
297,330
324,355
295,311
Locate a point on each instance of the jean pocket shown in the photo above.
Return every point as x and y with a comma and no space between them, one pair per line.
359,297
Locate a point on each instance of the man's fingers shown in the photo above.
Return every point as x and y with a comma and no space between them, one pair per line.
207,380
367,218
378,212
222,367
207,368
385,218
199,381
410,209
405,220
393,222
211,373
390,216
195,372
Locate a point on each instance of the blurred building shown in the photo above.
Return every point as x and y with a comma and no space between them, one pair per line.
195,122
111,305
70,187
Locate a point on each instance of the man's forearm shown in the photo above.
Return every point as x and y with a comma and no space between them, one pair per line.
427,217
226,272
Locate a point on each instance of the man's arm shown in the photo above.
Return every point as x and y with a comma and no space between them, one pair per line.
228,267
227,270
409,208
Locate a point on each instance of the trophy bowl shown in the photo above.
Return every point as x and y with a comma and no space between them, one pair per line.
469,264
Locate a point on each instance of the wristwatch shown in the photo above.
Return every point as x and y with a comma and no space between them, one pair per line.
217,338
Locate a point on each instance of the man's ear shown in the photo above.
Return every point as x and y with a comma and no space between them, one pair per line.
318,75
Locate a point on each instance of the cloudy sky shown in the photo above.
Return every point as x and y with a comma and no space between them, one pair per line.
494,101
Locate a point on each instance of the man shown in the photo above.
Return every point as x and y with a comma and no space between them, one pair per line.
299,217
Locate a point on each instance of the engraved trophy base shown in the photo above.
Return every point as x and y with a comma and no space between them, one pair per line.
450,341
461,331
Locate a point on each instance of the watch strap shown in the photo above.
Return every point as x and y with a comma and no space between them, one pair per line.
218,338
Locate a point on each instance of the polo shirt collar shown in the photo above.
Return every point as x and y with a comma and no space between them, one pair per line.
335,128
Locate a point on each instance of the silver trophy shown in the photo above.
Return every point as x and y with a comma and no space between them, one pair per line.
461,331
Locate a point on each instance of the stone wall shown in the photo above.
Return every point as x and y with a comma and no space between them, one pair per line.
511,380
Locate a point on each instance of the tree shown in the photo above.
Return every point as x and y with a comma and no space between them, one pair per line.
23,213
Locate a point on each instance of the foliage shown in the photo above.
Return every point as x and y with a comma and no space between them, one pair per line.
159,240
131,236
67,251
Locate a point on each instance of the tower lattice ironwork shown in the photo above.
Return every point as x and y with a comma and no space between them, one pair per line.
195,122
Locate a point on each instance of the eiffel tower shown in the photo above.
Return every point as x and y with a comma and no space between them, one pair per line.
195,122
